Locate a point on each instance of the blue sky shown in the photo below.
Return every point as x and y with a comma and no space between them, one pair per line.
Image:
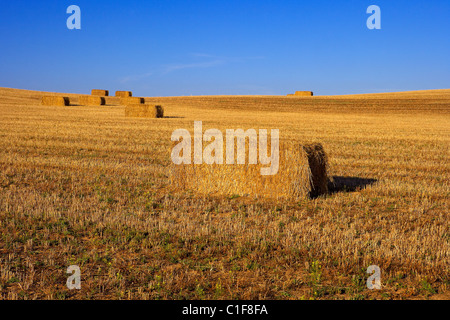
164,48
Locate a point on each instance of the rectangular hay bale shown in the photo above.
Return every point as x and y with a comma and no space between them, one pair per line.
131,100
91,100
302,173
98,92
304,93
55,101
124,93
144,111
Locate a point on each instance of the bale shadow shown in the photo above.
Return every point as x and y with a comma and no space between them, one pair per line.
348,184
173,117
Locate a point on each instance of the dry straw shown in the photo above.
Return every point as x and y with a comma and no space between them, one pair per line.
55,101
318,165
303,93
144,111
290,94
91,100
302,173
102,93
124,93
131,100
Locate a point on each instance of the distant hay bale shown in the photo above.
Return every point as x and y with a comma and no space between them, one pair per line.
124,93
97,92
159,111
131,100
144,111
290,94
303,93
302,173
55,101
91,100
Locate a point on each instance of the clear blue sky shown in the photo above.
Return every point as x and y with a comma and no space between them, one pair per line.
183,47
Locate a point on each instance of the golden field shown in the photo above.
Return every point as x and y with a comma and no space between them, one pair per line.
87,186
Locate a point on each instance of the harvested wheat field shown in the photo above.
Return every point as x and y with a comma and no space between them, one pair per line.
87,186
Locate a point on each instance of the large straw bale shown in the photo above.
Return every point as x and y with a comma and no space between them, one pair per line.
124,93
302,173
55,101
304,93
318,165
144,111
91,100
98,92
131,100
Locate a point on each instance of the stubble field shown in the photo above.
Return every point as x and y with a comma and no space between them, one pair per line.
86,186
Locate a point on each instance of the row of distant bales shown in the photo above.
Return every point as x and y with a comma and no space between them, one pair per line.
134,106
